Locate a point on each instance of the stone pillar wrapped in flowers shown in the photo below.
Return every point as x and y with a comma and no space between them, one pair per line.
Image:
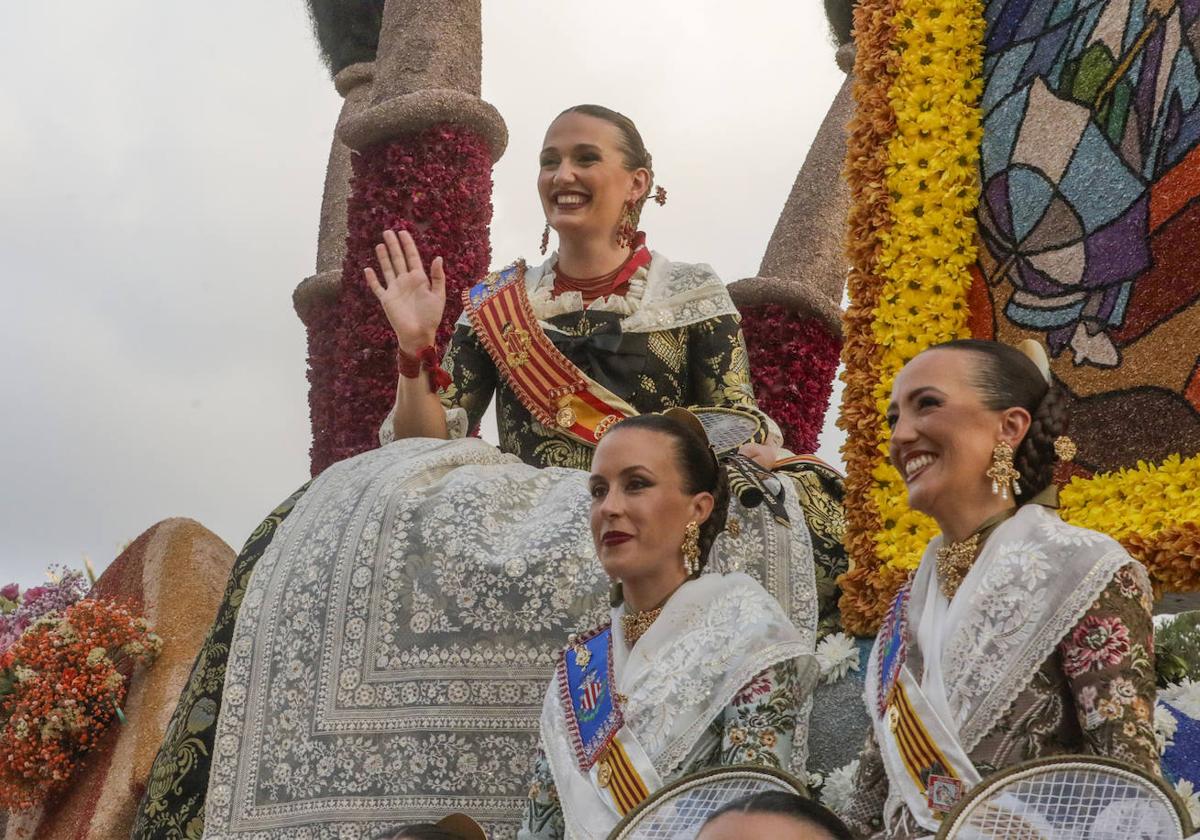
423,150
791,311
315,299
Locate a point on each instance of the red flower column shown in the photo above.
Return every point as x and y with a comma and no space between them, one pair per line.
791,312
315,299
423,154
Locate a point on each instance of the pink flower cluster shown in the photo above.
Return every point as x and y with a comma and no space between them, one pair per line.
19,610
793,359
437,185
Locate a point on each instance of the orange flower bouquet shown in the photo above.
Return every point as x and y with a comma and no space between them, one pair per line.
61,684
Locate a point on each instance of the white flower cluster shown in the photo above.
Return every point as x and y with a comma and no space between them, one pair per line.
837,655
1165,725
1184,696
838,789
1191,798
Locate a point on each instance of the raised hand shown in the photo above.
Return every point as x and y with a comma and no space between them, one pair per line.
413,301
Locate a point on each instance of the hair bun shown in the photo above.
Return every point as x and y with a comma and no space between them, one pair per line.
690,421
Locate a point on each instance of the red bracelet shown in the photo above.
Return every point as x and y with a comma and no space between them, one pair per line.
426,359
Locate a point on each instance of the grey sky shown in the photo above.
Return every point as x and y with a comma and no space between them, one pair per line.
162,168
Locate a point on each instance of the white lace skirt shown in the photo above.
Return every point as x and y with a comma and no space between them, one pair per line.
396,638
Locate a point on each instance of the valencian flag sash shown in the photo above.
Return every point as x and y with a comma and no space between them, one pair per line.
556,392
594,720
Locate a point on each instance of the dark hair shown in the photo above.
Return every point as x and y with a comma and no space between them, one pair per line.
633,149
698,464
419,831
789,805
1007,378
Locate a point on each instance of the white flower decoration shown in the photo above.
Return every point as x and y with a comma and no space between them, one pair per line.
837,655
1190,797
1184,696
838,789
1164,728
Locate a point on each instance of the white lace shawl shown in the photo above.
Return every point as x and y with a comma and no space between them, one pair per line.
1033,582
713,636
663,295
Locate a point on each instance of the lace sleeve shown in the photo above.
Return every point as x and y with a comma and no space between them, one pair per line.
719,367
473,381
543,816
760,724
1109,660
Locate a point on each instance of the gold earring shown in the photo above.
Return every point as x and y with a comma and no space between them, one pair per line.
545,237
691,548
1002,472
1065,448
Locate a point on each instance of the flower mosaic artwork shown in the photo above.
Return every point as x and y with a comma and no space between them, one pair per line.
1042,168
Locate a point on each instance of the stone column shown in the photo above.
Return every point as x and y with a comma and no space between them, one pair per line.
354,85
792,308
427,71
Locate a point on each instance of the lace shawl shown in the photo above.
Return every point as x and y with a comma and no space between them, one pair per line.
390,657
1033,582
713,636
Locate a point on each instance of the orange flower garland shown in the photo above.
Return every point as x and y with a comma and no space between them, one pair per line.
61,685
876,63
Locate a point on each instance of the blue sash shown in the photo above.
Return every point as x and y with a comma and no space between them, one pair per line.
586,691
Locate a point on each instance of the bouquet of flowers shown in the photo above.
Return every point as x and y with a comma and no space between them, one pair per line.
64,662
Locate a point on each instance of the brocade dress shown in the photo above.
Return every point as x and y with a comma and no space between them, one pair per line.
1047,648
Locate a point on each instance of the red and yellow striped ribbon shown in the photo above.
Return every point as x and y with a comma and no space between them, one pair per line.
617,773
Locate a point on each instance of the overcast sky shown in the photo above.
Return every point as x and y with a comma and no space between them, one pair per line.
161,168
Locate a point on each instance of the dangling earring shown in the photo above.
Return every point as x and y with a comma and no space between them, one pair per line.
627,229
545,237
1002,472
691,548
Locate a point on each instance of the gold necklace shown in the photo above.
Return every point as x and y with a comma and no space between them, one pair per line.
636,625
954,561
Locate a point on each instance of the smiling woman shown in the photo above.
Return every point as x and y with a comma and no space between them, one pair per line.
1019,635
641,333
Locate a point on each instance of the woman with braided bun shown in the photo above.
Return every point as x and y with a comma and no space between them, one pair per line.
694,669
1018,636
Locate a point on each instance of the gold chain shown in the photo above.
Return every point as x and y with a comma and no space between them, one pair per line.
954,561
636,625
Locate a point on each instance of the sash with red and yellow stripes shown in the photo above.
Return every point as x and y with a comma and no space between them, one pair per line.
924,759
616,773
556,392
